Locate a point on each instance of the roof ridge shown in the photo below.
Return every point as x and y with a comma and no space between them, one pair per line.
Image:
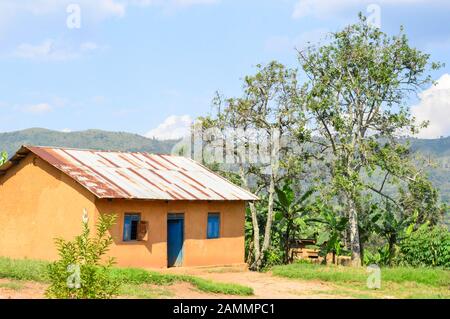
97,150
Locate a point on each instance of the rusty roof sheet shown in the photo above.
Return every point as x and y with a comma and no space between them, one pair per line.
109,174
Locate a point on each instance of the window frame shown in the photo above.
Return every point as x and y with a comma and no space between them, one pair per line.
139,218
219,227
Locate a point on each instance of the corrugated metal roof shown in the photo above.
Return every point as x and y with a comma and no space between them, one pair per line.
109,174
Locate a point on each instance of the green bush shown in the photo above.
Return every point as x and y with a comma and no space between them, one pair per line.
380,257
80,273
426,247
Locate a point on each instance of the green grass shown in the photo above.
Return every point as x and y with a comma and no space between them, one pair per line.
218,287
26,269
434,277
13,285
140,276
221,270
396,282
23,269
144,291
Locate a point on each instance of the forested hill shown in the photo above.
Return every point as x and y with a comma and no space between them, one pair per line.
91,139
437,149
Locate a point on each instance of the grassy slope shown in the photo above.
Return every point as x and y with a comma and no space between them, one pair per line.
398,282
134,280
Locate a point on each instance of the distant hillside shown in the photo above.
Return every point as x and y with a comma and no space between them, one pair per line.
93,139
439,147
438,150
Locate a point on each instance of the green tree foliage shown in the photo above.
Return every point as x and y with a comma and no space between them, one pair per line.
356,90
82,271
3,157
269,107
349,121
427,246
393,228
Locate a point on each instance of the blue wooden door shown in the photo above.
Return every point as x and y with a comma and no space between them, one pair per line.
175,241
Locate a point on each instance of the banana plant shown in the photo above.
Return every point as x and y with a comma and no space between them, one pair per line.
393,227
329,239
291,211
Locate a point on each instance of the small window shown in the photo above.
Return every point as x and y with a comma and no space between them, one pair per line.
130,226
213,225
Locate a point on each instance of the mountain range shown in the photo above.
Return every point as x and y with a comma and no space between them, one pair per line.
437,150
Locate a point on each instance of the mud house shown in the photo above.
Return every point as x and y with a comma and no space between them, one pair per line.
171,210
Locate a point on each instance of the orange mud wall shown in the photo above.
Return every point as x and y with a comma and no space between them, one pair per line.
151,252
38,203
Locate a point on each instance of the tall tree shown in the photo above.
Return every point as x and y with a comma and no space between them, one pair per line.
356,93
259,124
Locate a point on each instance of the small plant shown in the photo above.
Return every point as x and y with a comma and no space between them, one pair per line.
3,157
382,256
82,271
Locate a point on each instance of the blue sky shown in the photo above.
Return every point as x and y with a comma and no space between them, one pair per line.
149,66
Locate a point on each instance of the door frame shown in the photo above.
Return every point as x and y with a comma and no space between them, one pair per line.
175,216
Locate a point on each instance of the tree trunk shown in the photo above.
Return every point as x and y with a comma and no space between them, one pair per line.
287,243
270,213
254,214
274,167
256,244
354,233
392,241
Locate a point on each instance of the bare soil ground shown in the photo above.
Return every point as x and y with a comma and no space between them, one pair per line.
264,285
13,289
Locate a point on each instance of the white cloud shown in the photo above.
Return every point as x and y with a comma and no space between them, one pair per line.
173,127
434,106
66,130
50,50
38,108
323,8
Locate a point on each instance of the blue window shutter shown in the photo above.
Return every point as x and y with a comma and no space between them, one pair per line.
213,227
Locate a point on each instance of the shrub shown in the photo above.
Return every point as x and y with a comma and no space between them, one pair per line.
429,247
380,257
80,273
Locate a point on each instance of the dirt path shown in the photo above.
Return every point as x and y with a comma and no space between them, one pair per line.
265,286
13,289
